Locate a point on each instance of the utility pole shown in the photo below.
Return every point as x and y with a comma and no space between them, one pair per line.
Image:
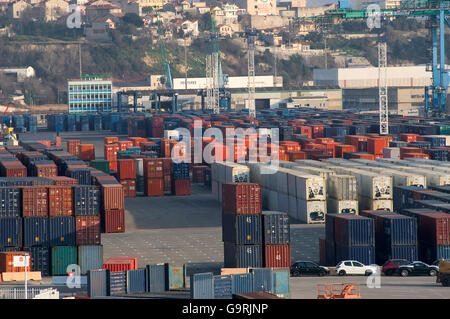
251,73
275,63
325,52
185,64
79,58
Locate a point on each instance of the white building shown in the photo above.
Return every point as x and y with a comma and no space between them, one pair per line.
21,73
234,82
367,77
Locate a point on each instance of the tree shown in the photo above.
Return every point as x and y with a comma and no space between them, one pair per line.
132,18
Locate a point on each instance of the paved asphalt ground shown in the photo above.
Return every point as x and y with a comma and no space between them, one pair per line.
187,230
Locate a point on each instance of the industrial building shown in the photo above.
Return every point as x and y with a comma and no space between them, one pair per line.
367,77
90,94
234,82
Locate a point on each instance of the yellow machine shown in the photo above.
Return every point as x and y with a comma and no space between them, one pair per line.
9,138
443,275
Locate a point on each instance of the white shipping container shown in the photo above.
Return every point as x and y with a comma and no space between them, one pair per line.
171,134
311,212
335,206
233,173
310,187
139,167
322,172
280,182
342,187
400,178
391,152
371,204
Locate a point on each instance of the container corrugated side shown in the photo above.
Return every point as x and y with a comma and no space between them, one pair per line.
399,230
202,286
61,257
276,228
242,256
40,259
10,232
241,229
90,257
262,279
62,231
175,277
222,287
35,231
354,230
277,256
280,281
363,254
97,283
242,283
155,278
408,252
117,282
136,281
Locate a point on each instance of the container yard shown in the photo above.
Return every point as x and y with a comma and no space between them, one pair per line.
114,199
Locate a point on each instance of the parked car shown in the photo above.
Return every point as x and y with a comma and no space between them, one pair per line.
391,266
353,267
418,268
308,268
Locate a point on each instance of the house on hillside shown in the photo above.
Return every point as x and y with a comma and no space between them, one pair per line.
15,9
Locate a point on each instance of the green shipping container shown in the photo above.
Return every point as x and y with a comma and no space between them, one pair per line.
101,165
175,277
63,256
140,184
444,130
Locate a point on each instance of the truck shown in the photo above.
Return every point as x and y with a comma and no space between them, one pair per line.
443,275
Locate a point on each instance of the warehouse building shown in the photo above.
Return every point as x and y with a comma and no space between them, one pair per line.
234,82
89,94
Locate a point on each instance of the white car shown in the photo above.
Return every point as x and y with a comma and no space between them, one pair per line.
353,267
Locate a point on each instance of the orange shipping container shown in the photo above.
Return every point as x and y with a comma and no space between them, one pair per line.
86,152
111,139
7,261
340,149
60,201
405,150
293,156
375,145
406,137
113,196
46,170
13,169
72,147
277,256
154,187
110,151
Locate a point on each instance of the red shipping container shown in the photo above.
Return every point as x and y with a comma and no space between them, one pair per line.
59,201
404,150
435,228
199,173
127,168
324,140
111,139
113,166
277,256
167,165
293,156
375,145
72,147
116,264
168,183
369,213
63,180
158,132
13,169
46,170
129,187
406,137
340,149
87,230
35,201
153,167
317,131
414,155
157,122
363,156
113,221
181,187
86,152
241,198
355,139
7,261
113,196
110,151
154,187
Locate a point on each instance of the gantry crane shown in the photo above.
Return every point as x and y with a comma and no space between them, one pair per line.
436,11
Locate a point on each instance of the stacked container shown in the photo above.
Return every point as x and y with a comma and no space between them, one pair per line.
112,209
127,176
86,152
276,240
73,147
342,194
227,173
154,178
181,182
110,151
241,225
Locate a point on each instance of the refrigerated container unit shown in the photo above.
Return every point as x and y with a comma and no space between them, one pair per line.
342,187
335,206
311,212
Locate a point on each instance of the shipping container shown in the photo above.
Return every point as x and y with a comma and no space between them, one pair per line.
129,187
181,187
10,202
154,187
262,279
363,254
435,228
86,200
113,221
310,187
90,257
10,232
241,229
353,230
335,206
280,282
276,229
153,167
112,196
241,198
35,201
60,201
136,281
87,230
7,261
430,252
342,187
127,168
120,264
407,252
61,258
117,281
242,256
62,231
277,256
202,286
223,287
175,277
242,283
82,175
36,231
97,281
155,278
311,212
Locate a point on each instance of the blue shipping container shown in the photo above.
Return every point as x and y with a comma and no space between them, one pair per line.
430,252
262,279
10,232
90,257
241,229
408,252
10,202
276,229
280,281
202,286
136,281
156,278
97,282
86,200
62,231
242,283
117,282
363,254
35,231
223,287
399,230
83,175
354,230
242,256
40,259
